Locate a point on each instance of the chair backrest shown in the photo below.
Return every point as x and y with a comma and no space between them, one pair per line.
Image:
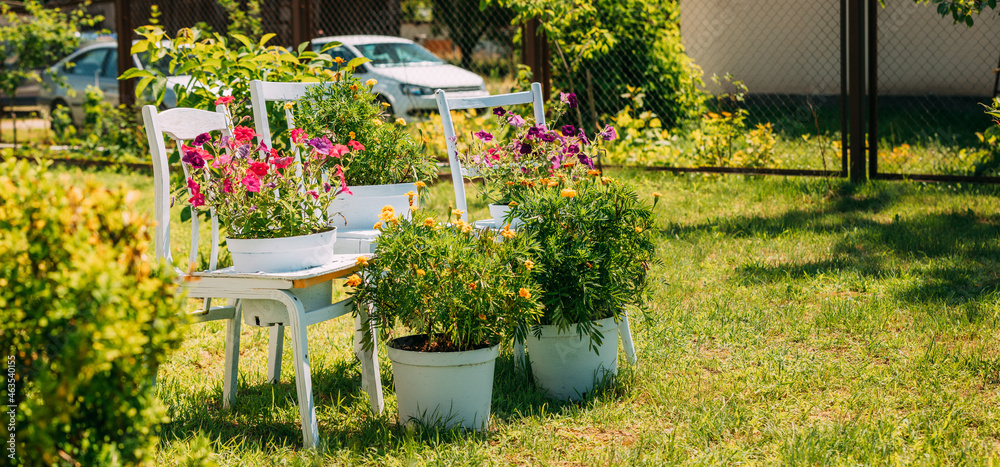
180,124
262,92
446,105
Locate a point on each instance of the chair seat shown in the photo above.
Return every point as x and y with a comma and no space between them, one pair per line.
342,265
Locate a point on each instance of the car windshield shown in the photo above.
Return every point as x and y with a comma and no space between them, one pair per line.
393,54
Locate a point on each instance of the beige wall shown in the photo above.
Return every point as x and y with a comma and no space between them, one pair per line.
793,46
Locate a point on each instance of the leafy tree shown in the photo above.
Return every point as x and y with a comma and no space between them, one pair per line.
467,21
29,44
961,10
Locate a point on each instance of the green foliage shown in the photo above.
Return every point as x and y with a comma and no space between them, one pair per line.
467,20
219,65
723,138
641,136
87,314
31,43
243,21
619,43
113,132
461,286
961,11
345,109
595,249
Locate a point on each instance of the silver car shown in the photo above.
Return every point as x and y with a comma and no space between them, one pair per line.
94,65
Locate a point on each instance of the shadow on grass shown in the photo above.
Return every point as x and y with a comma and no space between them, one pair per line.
956,252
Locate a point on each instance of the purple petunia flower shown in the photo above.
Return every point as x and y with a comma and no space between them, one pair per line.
572,149
243,152
322,145
525,148
515,121
585,160
534,132
201,139
569,130
483,135
583,137
549,137
194,159
568,99
499,111
609,133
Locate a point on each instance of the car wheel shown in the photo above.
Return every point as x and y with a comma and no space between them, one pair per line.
387,106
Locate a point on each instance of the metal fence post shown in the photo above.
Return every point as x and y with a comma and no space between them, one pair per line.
535,54
856,87
302,22
123,25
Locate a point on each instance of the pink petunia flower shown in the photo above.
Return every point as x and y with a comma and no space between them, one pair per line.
338,150
343,181
313,194
356,145
298,135
224,100
251,182
244,134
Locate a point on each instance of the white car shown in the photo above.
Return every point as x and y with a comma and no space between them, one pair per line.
94,65
406,73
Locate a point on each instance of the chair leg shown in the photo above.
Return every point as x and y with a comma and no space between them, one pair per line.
371,379
275,345
232,359
303,379
626,332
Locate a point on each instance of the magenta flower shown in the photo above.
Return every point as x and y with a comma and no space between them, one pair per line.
282,162
548,137
499,111
343,181
197,199
193,157
251,182
569,130
222,161
609,133
258,168
227,185
515,121
568,99
535,131
297,135
201,139
313,194
338,150
484,136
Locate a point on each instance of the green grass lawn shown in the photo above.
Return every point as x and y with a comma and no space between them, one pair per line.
794,321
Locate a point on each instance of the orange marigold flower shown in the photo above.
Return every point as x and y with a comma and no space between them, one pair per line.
529,264
638,229
378,225
351,134
568,193
420,185
472,286
512,203
354,280
594,172
510,183
371,82
656,194
458,213
338,60
289,105
482,316
362,261
421,272
466,228
524,293
400,121
429,222
507,233
354,87
553,183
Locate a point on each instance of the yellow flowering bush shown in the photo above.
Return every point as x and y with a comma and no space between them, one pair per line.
594,249
461,287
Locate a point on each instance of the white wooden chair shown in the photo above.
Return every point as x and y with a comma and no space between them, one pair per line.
458,173
290,290
349,239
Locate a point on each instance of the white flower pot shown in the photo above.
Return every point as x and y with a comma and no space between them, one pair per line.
361,210
499,212
444,388
563,364
283,254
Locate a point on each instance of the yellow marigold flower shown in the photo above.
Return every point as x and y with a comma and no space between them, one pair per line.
458,213
507,233
429,222
466,227
553,183
354,280
482,316
351,135
362,261
413,209
568,193
512,203
656,194
338,60
638,229
409,195
524,293
289,105
529,264
377,121
378,225
421,272
386,104
354,87
510,183
593,172
371,82
400,121
543,181
420,185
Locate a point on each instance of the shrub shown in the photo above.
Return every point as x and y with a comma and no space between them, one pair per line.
87,316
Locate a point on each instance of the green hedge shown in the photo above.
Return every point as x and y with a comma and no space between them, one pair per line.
87,316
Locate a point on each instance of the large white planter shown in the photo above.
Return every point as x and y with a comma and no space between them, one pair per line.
361,210
447,389
563,365
284,254
498,212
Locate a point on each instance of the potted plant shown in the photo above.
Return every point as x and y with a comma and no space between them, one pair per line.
594,250
445,295
386,160
521,154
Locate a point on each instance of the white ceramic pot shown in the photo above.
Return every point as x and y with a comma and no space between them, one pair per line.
563,364
447,389
499,212
361,210
284,254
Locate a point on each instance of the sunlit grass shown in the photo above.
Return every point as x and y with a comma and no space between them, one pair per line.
794,321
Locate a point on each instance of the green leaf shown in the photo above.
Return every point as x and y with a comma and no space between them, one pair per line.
136,73
243,39
266,37
355,62
186,214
